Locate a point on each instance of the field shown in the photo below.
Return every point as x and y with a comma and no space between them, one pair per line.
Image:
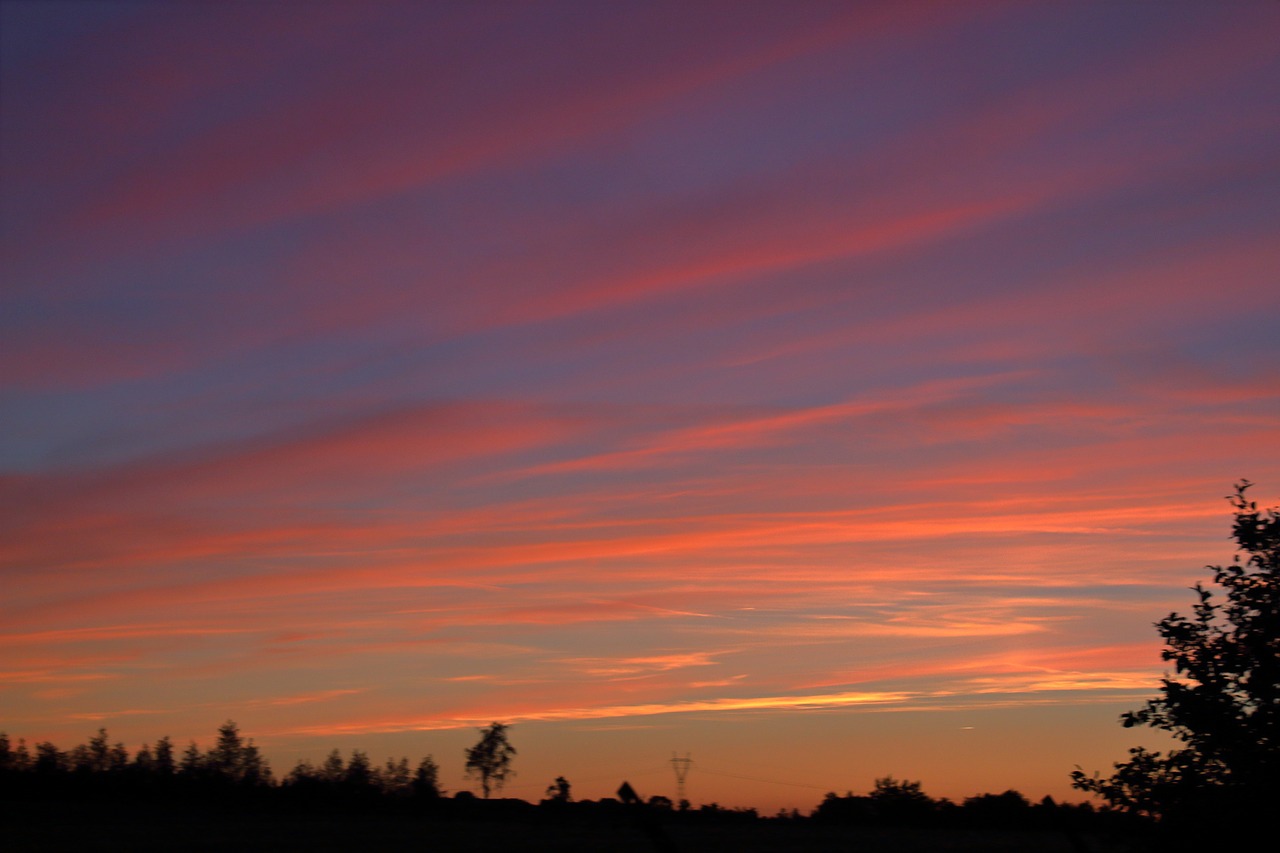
48,827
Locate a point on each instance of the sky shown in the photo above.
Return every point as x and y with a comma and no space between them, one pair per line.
824,390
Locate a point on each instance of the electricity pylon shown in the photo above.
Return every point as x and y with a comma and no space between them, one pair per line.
681,766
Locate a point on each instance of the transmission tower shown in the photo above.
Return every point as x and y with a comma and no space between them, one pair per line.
681,766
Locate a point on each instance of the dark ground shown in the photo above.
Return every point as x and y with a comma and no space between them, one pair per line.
96,829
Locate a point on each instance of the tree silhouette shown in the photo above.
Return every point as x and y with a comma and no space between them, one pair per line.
49,759
164,763
334,769
490,758
360,775
225,758
143,761
426,780
559,791
98,755
192,761
235,759
899,800
1223,702
396,778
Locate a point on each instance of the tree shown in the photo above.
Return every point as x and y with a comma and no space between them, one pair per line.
95,757
118,758
225,757
303,773
1003,810
192,761
254,768
49,760
490,758
1223,700
334,769
396,778
559,791
144,762
426,781
899,800
235,759
359,773
164,762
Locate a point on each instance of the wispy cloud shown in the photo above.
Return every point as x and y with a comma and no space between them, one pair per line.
628,666
672,364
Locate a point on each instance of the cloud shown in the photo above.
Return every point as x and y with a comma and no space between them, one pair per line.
629,666
762,703
308,698
371,131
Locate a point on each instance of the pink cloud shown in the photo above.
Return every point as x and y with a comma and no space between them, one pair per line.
343,119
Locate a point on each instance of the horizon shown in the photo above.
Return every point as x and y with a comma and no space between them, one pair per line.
829,391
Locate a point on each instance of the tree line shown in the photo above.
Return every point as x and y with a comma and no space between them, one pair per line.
233,766
233,771
902,802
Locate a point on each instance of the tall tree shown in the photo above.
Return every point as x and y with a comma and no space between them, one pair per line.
254,769
334,769
49,759
426,781
1223,700
99,752
227,756
192,761
490,758
118,758
143,761
303,773
359,772
164,762
396,777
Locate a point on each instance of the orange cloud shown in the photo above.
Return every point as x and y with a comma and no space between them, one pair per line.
308,698
761,703
624,666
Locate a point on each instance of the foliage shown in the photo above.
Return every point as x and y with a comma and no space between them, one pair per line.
426,780
888,790
558,791
233,759
657,801
490,758
163,762
396,778
1223,700
899,800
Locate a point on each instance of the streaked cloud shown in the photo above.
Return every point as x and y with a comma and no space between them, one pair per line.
625,371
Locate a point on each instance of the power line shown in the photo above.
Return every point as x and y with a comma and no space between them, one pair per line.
602,777
766,781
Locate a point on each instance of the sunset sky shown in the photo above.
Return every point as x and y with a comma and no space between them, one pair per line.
827,390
